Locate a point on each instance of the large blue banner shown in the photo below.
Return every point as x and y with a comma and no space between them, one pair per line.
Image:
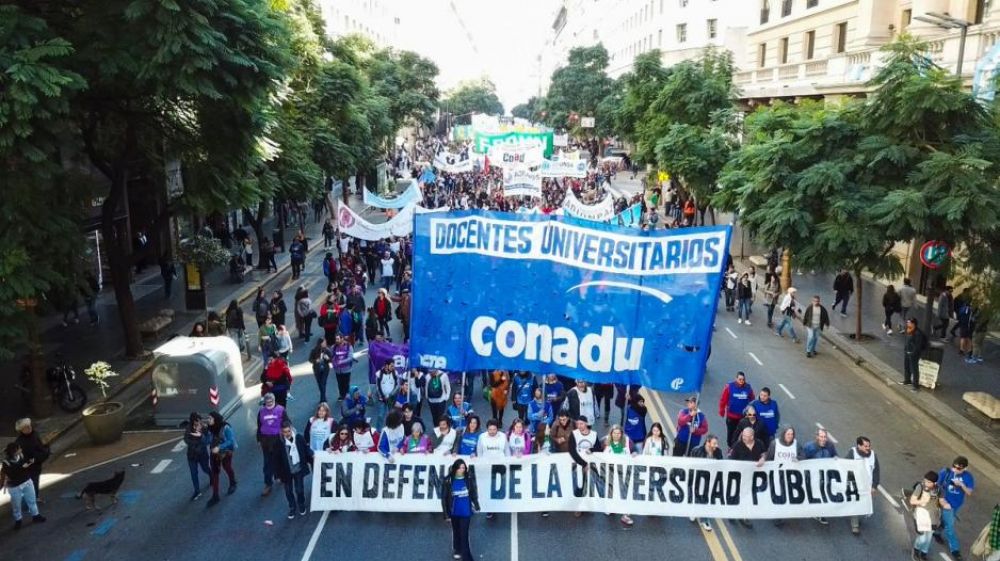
597,302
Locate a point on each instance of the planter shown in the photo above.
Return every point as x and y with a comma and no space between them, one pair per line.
104,421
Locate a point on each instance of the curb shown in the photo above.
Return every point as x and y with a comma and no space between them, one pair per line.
52,437
934,412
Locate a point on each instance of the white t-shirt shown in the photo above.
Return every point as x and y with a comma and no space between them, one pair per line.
387,267
585,443
587,404
394,246
516,442
344,244
447,443
786,453
492,446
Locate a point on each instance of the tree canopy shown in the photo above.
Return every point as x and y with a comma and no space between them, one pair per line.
473,96
578,88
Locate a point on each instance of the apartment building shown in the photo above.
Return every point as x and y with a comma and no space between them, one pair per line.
377,20
680,29
829,48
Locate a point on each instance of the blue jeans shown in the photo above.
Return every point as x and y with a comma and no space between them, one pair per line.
743,308
386,282
321,370
23,492
812,339
193,465
296,482
787,321
923,542
948,529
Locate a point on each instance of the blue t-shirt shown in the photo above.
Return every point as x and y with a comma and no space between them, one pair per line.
457,415
461,505
953,493
468,444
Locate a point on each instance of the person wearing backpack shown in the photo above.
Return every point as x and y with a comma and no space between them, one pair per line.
297,255
438,390
261,308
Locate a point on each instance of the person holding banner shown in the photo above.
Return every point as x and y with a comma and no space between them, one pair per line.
617,442
459,410
459,499
467,441
319,428
748,449
692,424
341,441
710,451
444,438
583,442
655,443
417,442
518,439
392,435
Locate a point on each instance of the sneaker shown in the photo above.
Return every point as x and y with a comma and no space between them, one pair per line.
970,360
843,315
856,530
706,526
889,332
489,516
213,501
196,496
626,520
914,390
303,510
456,556
17,524
291,514
979,360
915,555
956,555
738,321
38,518
747,322
691,518
545,515
822,520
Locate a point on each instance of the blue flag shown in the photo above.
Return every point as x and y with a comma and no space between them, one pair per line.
597,302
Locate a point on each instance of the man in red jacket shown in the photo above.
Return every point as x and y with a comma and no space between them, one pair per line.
736,395
277,379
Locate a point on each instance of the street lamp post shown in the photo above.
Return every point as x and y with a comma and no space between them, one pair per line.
945,21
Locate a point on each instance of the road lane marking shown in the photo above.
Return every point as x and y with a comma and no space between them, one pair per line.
782,386
180,446
729,540
315,537
714,545
76,555
888,497
105,527
161,466
730,332
513,536
755,359
828,434
944,556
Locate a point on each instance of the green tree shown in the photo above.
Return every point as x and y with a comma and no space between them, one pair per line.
577,89
634,120
529,110
473,96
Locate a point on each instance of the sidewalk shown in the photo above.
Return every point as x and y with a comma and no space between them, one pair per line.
81,344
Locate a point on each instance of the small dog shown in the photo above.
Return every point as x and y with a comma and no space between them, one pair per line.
106,487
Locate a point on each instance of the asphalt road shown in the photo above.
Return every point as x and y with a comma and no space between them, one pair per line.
156,521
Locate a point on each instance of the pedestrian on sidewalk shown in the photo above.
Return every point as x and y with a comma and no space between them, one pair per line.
891,304
913,348
15,479
772,291
34,450
862,450
214,326
944,312
843,287
907,300
270,417
198,439
292,462
459,499
956,483
297,256
235,325
980,327
90,289
744,294
789,310
223,446
267,261
168,272
815,319
248,251
736,395
961,302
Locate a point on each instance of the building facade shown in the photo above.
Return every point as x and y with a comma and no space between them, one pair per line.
829,48
378,20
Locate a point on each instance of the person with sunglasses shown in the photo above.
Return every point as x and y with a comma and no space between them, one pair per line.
956,483
341,441
751,420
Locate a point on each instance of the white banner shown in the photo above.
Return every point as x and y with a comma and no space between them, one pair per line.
643,485
521,182
522,154
560,140
411,194
587,122
601,212
354,225
563,168
452,163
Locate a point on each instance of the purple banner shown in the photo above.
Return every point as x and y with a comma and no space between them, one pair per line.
378,353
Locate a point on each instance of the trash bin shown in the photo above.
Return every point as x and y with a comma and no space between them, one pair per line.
929,365
278,236
197,374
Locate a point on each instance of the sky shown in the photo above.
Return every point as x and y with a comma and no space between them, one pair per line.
467,39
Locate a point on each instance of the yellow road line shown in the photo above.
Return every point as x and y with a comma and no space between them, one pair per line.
711,540
729,540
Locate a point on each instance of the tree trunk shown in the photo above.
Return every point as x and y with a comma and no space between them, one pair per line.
857,305
344,194
119,265
256,221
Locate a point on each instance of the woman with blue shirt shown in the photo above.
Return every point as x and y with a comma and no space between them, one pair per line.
468,439
459,499
539,411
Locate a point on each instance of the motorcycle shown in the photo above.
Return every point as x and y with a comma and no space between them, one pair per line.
65,392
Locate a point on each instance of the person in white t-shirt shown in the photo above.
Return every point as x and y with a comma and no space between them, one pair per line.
492,444
387,273
784,449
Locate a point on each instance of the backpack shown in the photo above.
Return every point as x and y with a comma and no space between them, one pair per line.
435,388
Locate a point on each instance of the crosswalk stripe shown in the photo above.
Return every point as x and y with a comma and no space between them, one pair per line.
160,467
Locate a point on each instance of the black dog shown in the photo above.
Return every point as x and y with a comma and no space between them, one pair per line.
106,487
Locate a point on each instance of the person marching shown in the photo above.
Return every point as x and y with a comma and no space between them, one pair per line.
459,499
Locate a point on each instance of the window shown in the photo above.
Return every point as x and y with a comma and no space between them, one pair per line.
809,48
713,26
906,19
765,12
659,38
683,3
761,55
682,32
980,8
811,3
595,34
840,36
786,8
783,51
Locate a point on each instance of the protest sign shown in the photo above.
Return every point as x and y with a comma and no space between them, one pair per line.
521,182
564,167
560,139
410,195
603,211
594,301
643,485
483,141
452,163
631,217
381,351
352,224
520,155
